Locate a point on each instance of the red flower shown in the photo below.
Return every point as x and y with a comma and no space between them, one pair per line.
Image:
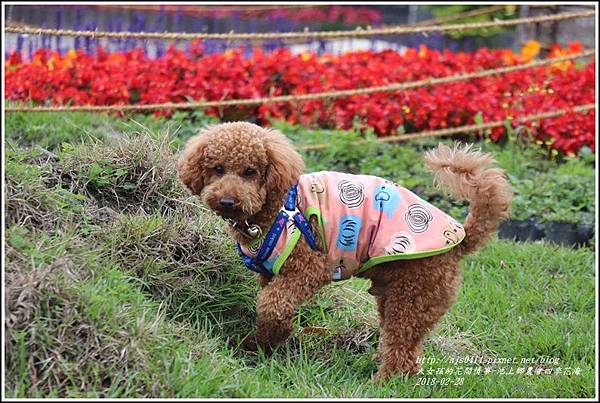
131,77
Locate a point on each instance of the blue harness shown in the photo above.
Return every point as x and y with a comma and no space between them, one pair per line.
290,210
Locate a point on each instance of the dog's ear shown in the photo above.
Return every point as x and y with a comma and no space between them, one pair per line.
190,163
285,164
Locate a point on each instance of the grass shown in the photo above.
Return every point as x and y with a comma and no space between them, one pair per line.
51,130
121,285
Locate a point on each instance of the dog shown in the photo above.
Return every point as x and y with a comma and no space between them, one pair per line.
410,251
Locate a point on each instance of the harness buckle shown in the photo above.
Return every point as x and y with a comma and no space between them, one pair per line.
288,211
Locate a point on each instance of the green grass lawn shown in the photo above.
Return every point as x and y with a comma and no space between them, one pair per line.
119,284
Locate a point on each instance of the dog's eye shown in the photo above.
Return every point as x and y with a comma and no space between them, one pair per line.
219,170
250,173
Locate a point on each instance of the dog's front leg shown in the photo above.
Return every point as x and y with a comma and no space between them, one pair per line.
302,275
263,280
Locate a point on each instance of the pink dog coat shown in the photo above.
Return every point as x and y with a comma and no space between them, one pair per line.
364,221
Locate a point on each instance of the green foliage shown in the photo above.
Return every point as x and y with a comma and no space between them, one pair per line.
50,129
547,186
106,175
440,11
548,196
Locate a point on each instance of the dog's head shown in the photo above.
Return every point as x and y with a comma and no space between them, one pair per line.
235,167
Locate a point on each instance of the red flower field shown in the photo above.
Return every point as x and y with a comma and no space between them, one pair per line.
130,77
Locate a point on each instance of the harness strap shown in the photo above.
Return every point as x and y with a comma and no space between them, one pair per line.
304,228
298,217
266,249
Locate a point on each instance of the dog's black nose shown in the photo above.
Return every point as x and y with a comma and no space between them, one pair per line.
227,202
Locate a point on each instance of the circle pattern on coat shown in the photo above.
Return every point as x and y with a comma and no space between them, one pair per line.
401,242
348,231
351,193
418,218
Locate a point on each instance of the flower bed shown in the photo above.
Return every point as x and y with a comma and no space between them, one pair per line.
130,77
344,15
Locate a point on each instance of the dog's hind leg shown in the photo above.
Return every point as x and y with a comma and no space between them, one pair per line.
378,290
415,301
380,299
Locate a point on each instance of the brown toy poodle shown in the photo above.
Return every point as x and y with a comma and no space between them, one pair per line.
301,231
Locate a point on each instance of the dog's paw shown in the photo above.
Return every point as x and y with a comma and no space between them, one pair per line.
385,373
249,343
380,376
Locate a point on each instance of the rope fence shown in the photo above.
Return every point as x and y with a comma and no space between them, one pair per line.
356,33
303,97
465,129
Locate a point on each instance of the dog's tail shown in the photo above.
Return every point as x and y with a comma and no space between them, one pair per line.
465,174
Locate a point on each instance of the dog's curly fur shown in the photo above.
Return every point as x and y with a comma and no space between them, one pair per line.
255,167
